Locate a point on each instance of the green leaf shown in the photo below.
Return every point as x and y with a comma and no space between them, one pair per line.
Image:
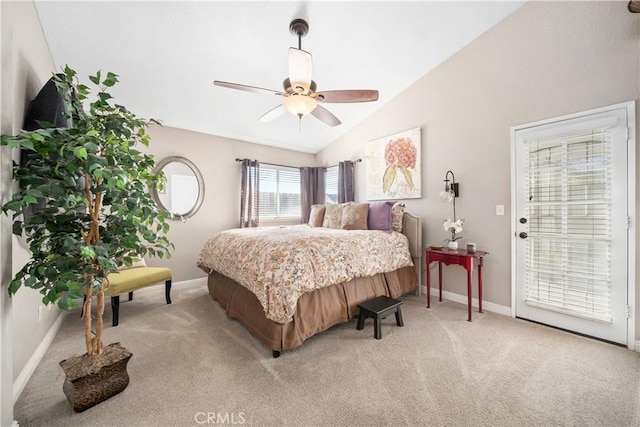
29,199
37,137
44,124
408,176
388,178
17,228
90,146
14,286
69,73
93,132
88,252
110,80
80,152
95,79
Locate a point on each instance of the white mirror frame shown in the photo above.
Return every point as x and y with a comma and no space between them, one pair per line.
154,191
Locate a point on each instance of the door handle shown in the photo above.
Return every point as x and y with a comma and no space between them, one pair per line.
523,235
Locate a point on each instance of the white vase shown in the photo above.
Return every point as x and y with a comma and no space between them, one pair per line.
453,245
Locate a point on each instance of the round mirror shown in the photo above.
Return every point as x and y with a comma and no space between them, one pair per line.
183,190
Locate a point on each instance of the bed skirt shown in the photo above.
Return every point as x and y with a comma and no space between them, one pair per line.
315,312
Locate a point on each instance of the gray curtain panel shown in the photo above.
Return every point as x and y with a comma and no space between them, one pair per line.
250,194
312,190
346,181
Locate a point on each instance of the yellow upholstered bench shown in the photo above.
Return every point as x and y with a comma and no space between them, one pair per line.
132,279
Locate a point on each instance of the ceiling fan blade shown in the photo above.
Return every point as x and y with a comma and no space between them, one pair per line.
245,87
272,114
355,95
325,116
300,66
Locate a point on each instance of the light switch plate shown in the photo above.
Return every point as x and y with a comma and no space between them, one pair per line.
499,209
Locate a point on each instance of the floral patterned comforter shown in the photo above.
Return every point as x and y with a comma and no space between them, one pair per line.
279,264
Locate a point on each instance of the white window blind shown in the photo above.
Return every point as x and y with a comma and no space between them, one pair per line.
568,258
331,185
279,192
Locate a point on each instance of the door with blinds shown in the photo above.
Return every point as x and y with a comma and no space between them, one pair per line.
571,231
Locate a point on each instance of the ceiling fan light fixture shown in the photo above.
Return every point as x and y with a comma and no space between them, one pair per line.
299,96
300,105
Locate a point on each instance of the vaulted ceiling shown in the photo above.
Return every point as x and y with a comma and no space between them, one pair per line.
167,55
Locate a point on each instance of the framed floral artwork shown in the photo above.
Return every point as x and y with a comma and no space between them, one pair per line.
393,166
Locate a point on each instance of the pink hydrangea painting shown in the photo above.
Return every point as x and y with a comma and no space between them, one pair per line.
393,166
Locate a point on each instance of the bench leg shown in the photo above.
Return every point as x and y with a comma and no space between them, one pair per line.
377,323
130,296
167,290
115,309
399,320
361,318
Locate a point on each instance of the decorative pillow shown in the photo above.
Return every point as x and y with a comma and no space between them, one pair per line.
316,216
380,216
354,216
333,215
397,212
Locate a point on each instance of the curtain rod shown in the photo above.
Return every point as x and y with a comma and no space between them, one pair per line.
288,166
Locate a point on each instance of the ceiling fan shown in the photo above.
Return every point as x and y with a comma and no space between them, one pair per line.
299,95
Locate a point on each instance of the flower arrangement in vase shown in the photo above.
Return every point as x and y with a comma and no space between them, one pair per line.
453,227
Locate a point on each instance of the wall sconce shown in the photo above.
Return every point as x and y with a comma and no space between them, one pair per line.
451,191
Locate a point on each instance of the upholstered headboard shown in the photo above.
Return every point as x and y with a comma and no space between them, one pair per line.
412,228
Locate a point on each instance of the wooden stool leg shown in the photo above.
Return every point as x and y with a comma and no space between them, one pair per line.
167,290
399,320
115,309
378,327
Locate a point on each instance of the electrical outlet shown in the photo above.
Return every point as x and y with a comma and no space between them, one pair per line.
499,210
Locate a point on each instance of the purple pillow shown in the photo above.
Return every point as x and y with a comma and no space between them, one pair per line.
380,216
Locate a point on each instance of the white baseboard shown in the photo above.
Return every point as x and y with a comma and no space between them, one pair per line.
193,283
489,306
462,299
22,379
24,376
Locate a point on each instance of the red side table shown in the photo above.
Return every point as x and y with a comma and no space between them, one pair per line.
456,257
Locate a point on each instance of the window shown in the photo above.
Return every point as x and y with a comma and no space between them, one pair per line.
331,185
279,192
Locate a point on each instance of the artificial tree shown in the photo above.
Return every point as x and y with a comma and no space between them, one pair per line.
87,188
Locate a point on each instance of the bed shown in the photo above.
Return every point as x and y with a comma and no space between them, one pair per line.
280,305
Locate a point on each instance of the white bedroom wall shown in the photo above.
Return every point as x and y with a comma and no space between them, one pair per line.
215,157
546,59
26,67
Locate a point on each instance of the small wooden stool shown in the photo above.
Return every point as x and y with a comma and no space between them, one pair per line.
379,308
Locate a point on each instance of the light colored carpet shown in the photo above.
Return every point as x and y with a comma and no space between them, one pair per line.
193,366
